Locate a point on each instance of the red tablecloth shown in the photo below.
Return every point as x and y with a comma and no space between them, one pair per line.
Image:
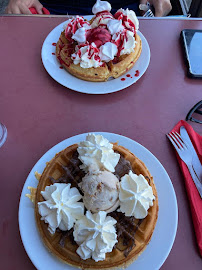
39,113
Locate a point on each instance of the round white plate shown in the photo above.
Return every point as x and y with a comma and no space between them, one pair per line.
52,66
164,234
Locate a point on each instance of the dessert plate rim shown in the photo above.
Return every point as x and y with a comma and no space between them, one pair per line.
164,233
64,78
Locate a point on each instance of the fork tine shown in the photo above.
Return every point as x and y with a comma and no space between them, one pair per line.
148,13
170,137
173,135
151,13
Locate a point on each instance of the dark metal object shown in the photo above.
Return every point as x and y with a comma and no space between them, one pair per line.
197,108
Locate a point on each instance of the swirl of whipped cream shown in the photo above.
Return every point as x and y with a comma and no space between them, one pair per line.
136,195
101,6
102,19
74,24
108,51
125,42
129,19
96,235
61,207
115,26
97,154
87,56
80,35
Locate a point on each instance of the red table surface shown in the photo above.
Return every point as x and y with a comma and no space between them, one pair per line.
38,113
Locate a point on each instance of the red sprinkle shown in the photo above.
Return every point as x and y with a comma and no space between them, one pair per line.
61,67
137,73
122,79
54,44
53,53
128,75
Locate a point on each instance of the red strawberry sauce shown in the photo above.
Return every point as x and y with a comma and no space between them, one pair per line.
98,35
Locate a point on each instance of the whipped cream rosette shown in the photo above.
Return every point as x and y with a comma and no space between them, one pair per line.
81,56
80,35
108,51
96,235
97,154
115,26
128,18
102,19
102,11
136,195
124,41
75,24
61,207
106,46
101,6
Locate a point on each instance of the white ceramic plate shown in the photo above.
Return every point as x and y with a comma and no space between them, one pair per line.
52,66
164,234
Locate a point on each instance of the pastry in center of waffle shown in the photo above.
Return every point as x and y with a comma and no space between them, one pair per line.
133,234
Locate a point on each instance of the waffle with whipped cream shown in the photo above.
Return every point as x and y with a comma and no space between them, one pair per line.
106,46
76,207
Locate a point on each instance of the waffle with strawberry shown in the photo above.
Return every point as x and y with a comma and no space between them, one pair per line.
106,46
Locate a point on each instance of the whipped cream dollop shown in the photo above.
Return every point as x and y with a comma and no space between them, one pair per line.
129,19
108,51
102,19
136,195
96,235
87,56
97,154
125,42
101,6
61,207
115,26
74,24
101,191
80,35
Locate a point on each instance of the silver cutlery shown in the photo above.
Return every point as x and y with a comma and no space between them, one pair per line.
148,13
196,162
186,155
147,8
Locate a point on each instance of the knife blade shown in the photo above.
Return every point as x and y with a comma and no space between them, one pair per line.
196,162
